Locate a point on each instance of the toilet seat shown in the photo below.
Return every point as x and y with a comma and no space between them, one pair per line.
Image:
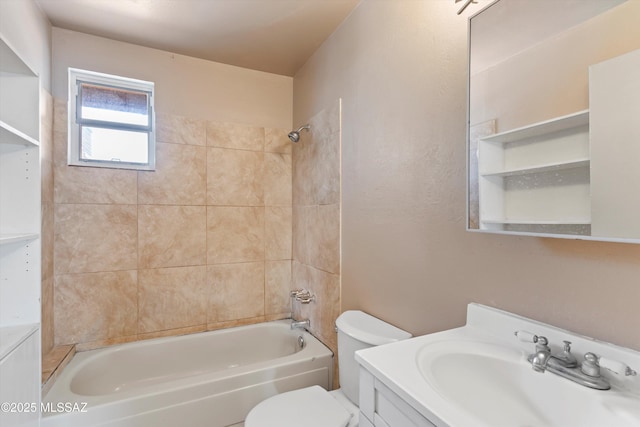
308,407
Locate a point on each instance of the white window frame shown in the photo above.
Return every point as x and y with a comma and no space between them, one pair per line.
77,76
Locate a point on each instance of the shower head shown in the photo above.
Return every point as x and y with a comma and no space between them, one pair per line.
294,135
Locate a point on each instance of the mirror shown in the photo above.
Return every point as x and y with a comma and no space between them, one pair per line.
554,119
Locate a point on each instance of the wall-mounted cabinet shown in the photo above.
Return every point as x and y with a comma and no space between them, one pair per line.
20,204
536,178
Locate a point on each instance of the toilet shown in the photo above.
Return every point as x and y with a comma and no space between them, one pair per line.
316,407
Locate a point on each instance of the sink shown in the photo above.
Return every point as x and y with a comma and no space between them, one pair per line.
494,384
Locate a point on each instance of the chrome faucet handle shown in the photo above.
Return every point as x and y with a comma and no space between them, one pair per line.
542,343
567,359
590,365
303,296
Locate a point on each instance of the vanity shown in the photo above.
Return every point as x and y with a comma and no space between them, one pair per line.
482,375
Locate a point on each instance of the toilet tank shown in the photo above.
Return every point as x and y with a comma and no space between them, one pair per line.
358,330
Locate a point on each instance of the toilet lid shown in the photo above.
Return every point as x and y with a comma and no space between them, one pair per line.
308,407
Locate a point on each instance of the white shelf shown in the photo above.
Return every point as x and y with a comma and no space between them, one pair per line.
12,336
546,127
550,167
11,135
536,222
17,237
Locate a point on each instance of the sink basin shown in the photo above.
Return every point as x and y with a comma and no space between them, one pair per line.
495,385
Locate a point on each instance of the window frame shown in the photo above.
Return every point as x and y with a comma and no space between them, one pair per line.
75,121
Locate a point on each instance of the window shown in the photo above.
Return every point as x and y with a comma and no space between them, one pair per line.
111,121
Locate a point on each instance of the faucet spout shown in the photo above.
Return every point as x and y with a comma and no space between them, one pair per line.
301,324
540,360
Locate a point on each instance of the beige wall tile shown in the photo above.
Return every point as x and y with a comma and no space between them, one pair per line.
316,236
236,291
180,177
324,311
237,322
277,179
231,135
235,177
171,236
278,233
316,170
180,130
78,184
46,238
173,332
170,298
95,306
277,141
91,238
59,115
235,234
277,285
46,324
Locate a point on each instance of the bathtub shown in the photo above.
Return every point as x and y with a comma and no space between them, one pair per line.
210,379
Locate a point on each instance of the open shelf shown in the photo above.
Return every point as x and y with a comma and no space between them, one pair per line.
577,221
537,178
17,237
11,135
546,127
12,336
550,167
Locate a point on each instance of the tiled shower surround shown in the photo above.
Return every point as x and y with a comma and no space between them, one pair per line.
203,242
316,223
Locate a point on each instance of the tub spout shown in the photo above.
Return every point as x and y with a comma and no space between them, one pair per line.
301,324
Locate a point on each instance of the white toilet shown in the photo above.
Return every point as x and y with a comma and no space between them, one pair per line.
316,407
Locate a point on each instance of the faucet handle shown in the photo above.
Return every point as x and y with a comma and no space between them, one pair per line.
525,336
616,367
539,340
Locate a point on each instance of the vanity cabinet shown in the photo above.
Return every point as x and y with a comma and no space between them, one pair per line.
20,213
536,178
381,407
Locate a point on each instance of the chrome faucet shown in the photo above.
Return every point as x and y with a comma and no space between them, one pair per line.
567,366
301,324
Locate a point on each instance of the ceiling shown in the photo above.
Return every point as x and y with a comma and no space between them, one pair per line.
276,36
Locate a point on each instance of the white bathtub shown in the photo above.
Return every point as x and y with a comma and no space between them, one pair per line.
208,379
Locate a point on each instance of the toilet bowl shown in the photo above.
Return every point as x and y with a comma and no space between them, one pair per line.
316,407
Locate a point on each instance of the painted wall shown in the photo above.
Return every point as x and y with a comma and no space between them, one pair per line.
203,242
185,86
401,71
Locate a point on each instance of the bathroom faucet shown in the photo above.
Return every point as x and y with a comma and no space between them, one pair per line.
301,324
567,366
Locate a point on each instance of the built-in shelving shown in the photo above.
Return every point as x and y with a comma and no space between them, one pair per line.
20,223
537,175
17,237
12,336
11,135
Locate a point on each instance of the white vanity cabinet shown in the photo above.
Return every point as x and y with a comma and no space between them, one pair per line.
20,257
381,407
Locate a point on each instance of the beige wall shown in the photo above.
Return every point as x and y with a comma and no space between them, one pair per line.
400,69
185,86
201,243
